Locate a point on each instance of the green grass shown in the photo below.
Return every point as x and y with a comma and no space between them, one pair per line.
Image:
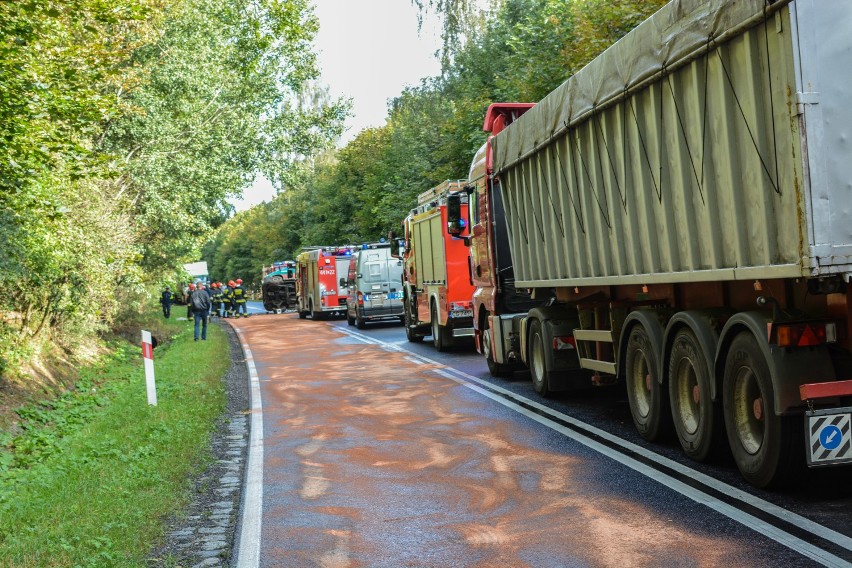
95,473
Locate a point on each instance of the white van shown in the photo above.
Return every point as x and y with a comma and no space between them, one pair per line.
373,285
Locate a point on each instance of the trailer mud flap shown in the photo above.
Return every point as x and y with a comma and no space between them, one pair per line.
828,435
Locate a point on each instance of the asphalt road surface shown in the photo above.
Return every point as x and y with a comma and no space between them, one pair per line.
379,452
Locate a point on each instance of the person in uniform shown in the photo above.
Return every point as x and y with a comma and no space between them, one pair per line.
240,298
166,301
190,290
228,300
216,298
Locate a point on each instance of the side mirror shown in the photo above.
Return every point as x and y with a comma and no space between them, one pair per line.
343,281
359,276
455,224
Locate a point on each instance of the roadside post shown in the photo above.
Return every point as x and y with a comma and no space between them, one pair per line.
148,360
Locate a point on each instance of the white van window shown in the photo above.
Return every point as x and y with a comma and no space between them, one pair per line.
376,272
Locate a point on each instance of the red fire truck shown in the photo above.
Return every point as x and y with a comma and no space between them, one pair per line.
436,278
317,282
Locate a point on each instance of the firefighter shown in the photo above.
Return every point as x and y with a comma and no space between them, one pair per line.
190,290
228,299
166,300
240,298
216,298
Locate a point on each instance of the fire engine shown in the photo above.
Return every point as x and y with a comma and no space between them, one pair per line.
436,280
317,291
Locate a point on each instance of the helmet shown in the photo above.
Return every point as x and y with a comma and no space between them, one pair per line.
239,281
231,283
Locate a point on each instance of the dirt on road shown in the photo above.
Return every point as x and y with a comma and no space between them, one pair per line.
372,459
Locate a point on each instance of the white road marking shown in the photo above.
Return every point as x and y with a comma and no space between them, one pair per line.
778,535
248,551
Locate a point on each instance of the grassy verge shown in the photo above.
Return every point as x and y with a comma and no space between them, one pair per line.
95,472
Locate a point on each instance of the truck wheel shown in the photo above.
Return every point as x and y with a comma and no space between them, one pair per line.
439,332
648,405
303,315
538,360
359,321
697,420
314,315
349,319
767,448
410,332
496,369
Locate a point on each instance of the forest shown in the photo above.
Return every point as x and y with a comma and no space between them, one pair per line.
515,51
127,125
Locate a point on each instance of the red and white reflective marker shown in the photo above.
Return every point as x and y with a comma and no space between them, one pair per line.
148,360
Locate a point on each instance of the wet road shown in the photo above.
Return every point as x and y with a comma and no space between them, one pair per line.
377,452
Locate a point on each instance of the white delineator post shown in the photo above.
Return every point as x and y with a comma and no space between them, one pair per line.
148,360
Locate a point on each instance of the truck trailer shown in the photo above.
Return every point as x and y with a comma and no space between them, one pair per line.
675,218
435,279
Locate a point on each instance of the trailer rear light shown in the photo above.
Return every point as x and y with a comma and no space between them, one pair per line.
802,334
565,342
360,299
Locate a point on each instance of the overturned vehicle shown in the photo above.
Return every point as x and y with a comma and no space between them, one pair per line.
279,286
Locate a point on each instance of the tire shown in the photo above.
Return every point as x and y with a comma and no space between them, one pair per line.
648,403
496,369
439,332
410,332
767,448
538,361
349,319
316,316
303,315
697,421
359,321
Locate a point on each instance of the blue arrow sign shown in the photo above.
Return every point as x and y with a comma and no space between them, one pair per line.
830,437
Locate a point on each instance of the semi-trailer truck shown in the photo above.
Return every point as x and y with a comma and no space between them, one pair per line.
678,212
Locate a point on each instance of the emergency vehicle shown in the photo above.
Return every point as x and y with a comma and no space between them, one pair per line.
436,280
317,292
373,285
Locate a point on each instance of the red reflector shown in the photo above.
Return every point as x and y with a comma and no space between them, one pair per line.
564,342
808,337
800,335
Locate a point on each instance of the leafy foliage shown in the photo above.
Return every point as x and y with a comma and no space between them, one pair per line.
518,50
126,125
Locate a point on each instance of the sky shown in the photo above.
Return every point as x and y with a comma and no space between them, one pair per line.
368,50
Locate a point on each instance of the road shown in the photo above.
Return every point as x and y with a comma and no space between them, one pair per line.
379,452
